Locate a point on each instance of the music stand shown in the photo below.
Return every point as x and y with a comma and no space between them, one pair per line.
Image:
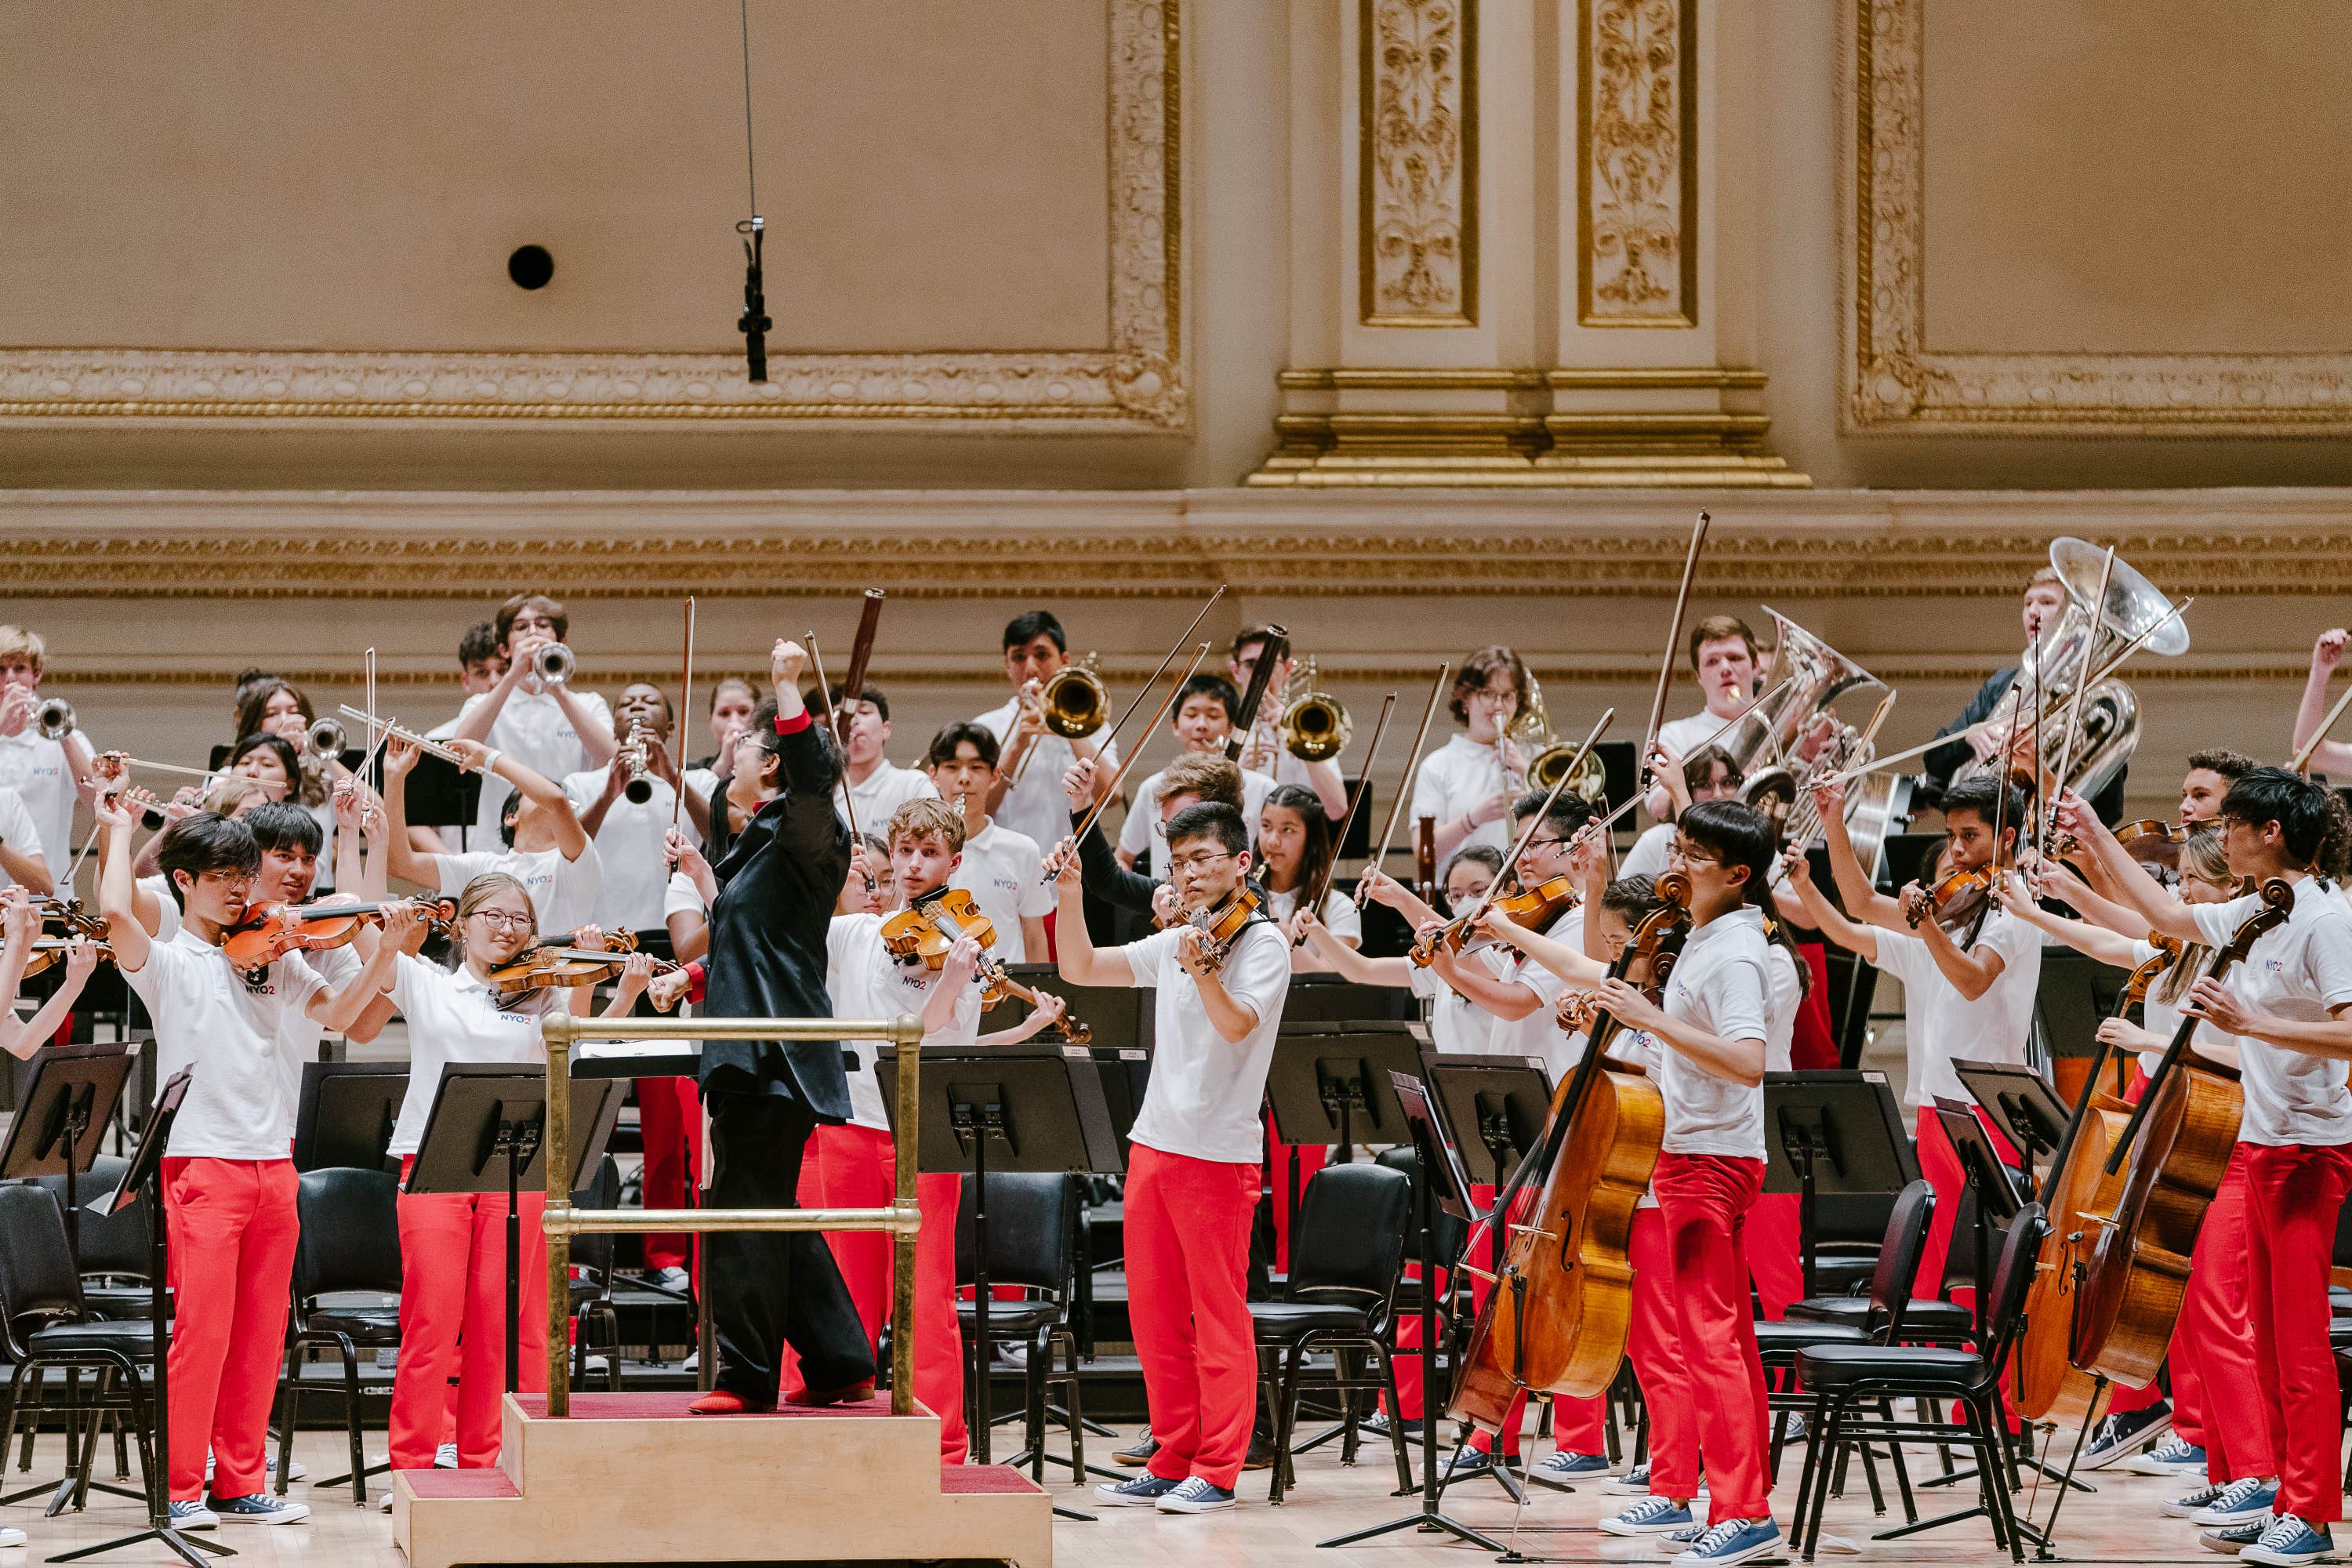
62,1117
1018,1108
347,1113
1329,1083
1328,999
487,1132
1837,1132
1505,1102
146,1171
2022,1104
1440,1171
2074,995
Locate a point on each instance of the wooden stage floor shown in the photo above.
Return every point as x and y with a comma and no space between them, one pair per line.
2122,1522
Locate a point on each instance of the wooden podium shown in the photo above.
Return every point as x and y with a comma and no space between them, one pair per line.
631,1478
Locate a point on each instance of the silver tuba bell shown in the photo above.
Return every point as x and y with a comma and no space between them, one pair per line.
1809,677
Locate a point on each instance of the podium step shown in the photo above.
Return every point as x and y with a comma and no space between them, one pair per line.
632,1478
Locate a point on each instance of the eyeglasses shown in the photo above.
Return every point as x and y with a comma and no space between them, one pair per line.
1547,843
1681,850
1195,862
503,921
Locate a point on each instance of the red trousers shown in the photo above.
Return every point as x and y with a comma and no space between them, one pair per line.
2221,1400
1655,1346
453,1321
1814,1046
1941,1164
856,1167
1702,1201
232,1229
1188,1229
669,1116
1776,1251
2293,1194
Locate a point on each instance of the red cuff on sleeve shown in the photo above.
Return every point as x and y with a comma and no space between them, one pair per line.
792,726
696,978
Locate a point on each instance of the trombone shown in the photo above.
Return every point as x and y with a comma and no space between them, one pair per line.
1552,755
1314,725
392,727
1073,702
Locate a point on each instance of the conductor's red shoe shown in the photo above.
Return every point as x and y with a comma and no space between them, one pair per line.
721,1402
851,1394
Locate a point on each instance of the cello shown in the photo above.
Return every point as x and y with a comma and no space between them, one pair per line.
2049,1386
1556,1320
2172,1154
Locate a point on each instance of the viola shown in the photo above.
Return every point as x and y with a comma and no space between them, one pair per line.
2171,1154
270,931
930,927
1556,1318
560,963
2152,842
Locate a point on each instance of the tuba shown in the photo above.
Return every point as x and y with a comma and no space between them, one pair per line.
1532,730
1075,700
1315,726
1764,746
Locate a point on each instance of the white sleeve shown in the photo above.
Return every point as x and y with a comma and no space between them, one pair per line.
162,976
1901,954
2012,938
1144,958
680,896
1256,973
597,707
1734,995
2216,923
1430,795
1340,917
2327,960
1648,856
299,981
1135,833
16,826
456,870
582,788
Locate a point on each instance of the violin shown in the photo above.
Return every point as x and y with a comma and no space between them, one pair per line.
932,925
2172,1152
270,931
1556,1318
559,963
2152,842
49,951
1223,923
2049,1386
1534,907
1955,899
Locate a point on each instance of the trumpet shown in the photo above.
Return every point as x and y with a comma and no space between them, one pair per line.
54,719
1533,728
393,728
639,789
324,742
1314,725
554,663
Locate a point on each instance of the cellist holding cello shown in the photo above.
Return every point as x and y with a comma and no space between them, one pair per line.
2289,1003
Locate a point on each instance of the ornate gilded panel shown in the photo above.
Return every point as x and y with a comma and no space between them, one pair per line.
1418,207
1637,163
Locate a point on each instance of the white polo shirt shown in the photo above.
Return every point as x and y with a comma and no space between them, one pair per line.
1683,736
1458,776
22,834
1206,1093
1036,807
1648,856
1005,873
562,892
632,866
886,789
866,980
167,919
1941,1026
1721,984
209,1020
298,1034
1781,1008
532,730
2299,972
455,1017
1339,914
1140,832
2162,1019
37,770
1457,1026
1539,1034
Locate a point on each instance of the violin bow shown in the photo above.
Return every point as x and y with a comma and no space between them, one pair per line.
1404,782
1272,652
1674,636
1526,834
2068,730
685,708
1111,787
1141,692
1354,805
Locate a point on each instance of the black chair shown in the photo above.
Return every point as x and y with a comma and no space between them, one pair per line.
44,1323
1033,1230
1930,1318
1346,1253
111,1252
1844,1376
591,1283
351,1244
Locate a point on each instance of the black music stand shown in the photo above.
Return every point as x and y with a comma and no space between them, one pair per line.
61,1119
147,1171
2021,1104
1019,1108
1329,1083
1837,1132
1440,1171
1493,1109
1328,999
2074,995
486,1133
347,1113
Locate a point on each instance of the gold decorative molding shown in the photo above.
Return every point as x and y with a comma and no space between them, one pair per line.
1637,168
1136,383
1894,383
102,546
1417,211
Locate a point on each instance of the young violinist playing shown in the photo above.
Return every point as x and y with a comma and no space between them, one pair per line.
998,867
1198,1139
228,1179
1456,1024
1201,722
1467,785
22,926
2289,1005
1711,1033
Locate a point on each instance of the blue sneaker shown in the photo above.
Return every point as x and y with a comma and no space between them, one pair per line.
1651,1516
2236,1539
259,1508
2289,1543
1733,1540
1564,1467
2240,1502
2190,1504
1194,1495
2120,1436
1144,1491
2175,1455
194,1515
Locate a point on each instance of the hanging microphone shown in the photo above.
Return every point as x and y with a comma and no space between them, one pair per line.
754,322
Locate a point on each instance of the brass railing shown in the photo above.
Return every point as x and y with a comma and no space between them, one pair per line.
563,1222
